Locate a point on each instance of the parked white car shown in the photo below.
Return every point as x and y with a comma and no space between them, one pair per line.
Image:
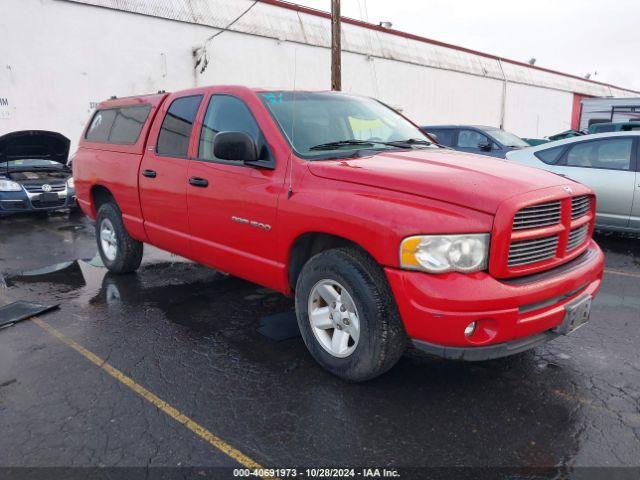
606,162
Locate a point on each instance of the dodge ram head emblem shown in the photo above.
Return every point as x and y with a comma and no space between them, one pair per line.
46,187
568,189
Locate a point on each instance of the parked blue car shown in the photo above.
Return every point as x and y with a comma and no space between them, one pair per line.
490,141
34,176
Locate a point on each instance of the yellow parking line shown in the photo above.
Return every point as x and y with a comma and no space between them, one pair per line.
199,430
624,274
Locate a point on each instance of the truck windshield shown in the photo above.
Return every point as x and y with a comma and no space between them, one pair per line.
319,124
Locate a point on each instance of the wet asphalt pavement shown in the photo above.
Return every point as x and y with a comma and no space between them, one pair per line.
190,336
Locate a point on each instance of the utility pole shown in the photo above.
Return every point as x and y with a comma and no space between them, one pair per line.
336,47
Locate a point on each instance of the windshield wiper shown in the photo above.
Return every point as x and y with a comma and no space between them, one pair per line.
342,143
370,143
411,141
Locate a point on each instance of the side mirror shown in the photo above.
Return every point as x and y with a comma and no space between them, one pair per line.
235,147
485,146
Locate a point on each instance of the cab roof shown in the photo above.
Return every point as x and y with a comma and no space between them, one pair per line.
156,98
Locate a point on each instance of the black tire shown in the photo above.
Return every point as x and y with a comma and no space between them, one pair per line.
129,251
382,338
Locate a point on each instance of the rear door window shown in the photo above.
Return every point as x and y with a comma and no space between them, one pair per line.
175,132
608,154
121,126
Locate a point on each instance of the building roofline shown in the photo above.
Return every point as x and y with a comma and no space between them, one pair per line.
411,36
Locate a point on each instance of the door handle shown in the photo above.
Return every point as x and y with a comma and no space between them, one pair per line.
199,182
149,173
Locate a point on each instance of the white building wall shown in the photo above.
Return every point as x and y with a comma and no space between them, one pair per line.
58,58
537,111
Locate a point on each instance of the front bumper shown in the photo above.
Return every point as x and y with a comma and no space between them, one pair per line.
23,201
511,315
488,352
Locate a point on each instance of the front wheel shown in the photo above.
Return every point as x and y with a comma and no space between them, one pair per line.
347,315
119,252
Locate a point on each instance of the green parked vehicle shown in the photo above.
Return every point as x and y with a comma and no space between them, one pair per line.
614,127
552,138
534,142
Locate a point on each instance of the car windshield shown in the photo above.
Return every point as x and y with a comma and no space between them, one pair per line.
30,163
507,139
316,123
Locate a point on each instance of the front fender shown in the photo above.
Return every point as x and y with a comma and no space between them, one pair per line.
375,219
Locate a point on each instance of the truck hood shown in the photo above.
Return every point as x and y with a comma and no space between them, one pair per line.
34,144
473,181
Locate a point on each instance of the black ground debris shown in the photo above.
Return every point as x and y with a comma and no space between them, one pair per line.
21,310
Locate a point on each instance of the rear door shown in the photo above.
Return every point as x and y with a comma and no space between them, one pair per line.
163,174
608,167
233,206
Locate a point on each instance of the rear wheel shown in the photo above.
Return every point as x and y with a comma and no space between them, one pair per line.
347,314
119,252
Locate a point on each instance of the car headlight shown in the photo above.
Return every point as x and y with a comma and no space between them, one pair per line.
445,253
9,186
71,183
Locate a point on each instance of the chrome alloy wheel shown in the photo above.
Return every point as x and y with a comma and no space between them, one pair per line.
108,240
334,318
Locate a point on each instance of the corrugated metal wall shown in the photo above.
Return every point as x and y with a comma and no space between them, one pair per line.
61,56
275,22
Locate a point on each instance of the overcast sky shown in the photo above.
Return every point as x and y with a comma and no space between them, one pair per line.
573,36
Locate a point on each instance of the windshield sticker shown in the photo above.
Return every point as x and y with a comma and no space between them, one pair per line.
272,97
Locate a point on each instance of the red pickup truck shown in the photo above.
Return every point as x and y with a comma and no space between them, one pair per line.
384,238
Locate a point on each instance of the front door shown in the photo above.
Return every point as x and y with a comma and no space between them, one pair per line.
233,206
608,167
163,175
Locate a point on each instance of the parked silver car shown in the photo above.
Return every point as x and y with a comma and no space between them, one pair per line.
606,162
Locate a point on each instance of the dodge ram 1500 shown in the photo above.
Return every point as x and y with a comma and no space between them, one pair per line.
383,238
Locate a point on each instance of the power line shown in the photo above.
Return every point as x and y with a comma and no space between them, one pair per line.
204,55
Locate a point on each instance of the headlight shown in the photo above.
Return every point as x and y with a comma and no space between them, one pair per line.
70,183
445,253
9,186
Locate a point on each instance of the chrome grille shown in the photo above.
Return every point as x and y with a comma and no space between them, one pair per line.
577,237
535,216
38,188
580,206
525,252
